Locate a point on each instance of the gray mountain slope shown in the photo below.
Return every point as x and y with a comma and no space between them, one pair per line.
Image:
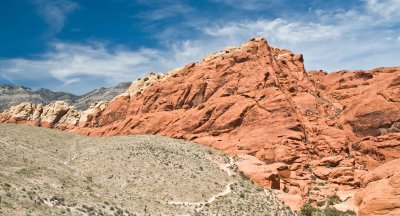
13,95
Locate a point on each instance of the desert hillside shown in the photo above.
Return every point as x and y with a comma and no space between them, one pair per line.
47,172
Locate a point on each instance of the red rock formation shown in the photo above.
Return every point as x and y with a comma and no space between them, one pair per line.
299,129
382,191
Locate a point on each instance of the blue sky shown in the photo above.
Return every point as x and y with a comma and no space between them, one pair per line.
76,46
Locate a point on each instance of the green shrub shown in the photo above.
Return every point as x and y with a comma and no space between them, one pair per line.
313,177
334,199
308,210
321,203
316,189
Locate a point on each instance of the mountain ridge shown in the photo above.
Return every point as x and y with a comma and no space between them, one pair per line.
14,95
310,135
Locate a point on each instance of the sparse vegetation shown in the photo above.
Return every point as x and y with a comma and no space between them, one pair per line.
334,199
313,177
309,210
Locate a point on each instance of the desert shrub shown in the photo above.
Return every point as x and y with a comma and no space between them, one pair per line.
356,146
313,177
321,203
334,212
316,189
334,199
259,188
308,210
89,178
241,173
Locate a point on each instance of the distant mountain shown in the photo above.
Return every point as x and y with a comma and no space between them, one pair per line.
101,94
14,95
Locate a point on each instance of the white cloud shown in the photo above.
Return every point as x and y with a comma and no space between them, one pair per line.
329,40
54,12
247,4
278,29
65,62
73,64
332,40
387,9
166,11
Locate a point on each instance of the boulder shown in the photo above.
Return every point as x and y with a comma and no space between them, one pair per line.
382,192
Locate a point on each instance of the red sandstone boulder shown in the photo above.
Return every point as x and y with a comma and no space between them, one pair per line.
382,193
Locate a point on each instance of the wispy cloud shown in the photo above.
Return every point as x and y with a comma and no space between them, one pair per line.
78,64
55,12
357,38
248,4
387,9
277,30
165,10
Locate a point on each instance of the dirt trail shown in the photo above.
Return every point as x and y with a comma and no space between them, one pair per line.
47,154
226,167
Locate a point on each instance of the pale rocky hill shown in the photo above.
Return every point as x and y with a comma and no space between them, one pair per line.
14,95
102,94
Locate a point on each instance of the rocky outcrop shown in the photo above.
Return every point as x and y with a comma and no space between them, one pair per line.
54,115
309,134
139,85
91,112
381,194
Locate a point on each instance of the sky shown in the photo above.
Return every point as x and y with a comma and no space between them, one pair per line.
77,46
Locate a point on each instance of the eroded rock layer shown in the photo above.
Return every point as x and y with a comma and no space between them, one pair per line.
310,134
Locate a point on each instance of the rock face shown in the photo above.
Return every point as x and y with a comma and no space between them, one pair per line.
11,96
54,115
306,133
381,194
138,86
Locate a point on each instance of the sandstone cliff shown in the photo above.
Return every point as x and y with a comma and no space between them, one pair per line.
309,134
